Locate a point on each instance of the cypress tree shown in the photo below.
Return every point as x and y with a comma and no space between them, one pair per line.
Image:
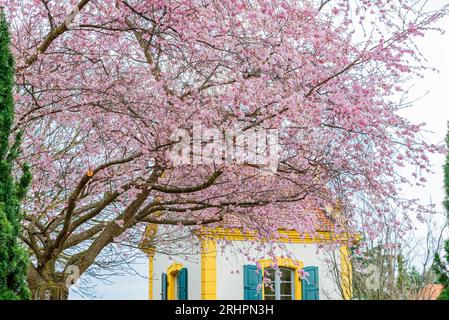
439,266
13,257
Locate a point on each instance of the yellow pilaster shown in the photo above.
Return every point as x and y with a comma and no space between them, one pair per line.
150,274
209,269
346,272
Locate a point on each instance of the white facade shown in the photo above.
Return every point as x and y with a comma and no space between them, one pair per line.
226,268
230,283
161,262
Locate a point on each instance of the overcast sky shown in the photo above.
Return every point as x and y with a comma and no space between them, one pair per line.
433,109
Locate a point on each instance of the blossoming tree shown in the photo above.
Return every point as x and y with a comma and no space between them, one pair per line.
102,85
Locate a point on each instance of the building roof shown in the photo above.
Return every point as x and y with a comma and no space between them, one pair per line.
430,292
325,223
322,221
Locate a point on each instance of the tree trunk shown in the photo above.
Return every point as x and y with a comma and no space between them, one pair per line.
46,287
50,291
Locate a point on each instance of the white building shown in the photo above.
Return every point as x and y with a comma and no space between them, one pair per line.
218,272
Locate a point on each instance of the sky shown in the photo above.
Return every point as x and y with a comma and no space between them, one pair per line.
432,109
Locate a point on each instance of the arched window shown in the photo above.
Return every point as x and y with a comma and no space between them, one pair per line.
281,284
284,284
177,282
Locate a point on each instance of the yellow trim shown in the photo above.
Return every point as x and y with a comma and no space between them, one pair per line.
285,236
208,269
150,274
172,272
346,273
295,265
209,237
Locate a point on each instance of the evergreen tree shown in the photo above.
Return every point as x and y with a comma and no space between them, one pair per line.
13,258
439,266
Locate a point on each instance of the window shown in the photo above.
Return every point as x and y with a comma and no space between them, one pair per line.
177,277
281,284
285,284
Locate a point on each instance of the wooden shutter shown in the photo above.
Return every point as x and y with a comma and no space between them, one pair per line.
251,281
310,285
164,286
182,284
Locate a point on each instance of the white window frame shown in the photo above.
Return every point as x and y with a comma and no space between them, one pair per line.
278,281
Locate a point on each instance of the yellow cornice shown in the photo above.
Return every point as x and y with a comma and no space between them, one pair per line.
286,236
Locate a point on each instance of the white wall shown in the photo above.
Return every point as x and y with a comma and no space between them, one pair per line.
230,264
191,262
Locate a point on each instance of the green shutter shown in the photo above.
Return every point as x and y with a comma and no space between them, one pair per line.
310,285
164,286
182,284
252,278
